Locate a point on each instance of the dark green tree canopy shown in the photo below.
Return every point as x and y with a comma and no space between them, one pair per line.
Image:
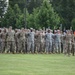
3,5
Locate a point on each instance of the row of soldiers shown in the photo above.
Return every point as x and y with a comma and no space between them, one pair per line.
36,41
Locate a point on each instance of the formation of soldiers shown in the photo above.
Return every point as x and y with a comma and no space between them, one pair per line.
36,41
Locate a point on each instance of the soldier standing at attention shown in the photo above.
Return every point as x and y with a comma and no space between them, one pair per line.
10,40
30,41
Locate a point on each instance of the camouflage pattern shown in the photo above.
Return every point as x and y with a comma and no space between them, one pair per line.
10,41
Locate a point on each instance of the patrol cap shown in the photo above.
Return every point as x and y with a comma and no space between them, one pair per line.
31,28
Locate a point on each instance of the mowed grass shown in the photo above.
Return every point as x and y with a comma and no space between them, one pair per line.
36,64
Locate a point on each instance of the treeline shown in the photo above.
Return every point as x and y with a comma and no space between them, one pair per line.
40,13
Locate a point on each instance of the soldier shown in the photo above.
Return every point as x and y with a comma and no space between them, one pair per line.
73,43
55,41
17,38
68,42
35,40
39,42
58,41
64,42
22,40
43,41
4,34
30,41
10,40
48,39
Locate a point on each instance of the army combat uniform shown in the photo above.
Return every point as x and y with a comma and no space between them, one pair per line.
22,42
10,41
4,36
30,42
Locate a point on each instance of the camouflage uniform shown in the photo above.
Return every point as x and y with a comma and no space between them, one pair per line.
48,39
39,42
68,42
17,41
58,42
30,41
73,44
10,41
4,34
22,41
64,43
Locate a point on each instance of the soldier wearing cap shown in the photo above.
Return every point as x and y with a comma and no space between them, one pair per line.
57,40
17,40
10,40
68,42
39,41
30,41
48,39
22,40
73,43
4,36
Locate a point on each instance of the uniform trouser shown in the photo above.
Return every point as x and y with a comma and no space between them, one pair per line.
48,46
11,46
17,47
0,47
30,46
53,47
3,46
73,49
22,46
69,48
58,46
61,47
64,48
39,46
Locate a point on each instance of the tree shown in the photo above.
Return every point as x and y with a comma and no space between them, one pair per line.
17,17
66,10
2,7
30,4
2,10
32,19
73,24
8,19
47,16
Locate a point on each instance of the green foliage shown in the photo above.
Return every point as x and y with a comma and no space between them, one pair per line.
66,10
47,16
30,4
2,7
33,19
8,18
42,13
43,16
18,16
13,17
73,24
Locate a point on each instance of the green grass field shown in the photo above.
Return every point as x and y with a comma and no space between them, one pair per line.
36,64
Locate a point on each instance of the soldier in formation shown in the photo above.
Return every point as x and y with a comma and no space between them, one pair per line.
36,41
